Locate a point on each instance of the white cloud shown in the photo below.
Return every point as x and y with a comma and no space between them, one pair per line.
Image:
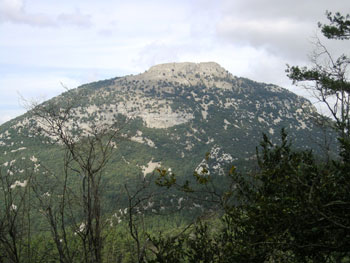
14,11
75,18
158,53
250,38
17,89
11,7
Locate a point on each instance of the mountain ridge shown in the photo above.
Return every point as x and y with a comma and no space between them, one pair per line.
176,112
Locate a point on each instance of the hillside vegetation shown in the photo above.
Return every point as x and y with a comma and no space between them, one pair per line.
164,167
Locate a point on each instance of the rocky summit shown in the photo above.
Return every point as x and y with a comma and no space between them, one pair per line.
176,113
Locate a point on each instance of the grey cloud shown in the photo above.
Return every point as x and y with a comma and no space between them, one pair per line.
306,10
283,28
286,38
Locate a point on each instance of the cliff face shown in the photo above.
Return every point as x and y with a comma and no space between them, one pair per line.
177,112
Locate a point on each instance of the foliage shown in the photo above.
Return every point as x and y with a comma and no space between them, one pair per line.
339,27
293,208
297,207
329,75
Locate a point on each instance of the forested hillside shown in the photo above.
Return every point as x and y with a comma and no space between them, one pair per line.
182,163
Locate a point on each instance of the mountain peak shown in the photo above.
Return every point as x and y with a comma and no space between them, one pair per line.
208,68
188,67
184,72
176,113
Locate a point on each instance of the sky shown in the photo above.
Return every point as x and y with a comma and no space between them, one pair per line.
48,46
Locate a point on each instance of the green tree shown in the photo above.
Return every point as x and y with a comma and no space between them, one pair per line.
294,208
329,75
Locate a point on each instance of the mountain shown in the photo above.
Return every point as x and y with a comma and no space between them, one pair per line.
176,112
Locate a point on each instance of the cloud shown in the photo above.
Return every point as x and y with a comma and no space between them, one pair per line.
298,9
278,36
157,53
282,28
75,18
19,89
14,11
40,85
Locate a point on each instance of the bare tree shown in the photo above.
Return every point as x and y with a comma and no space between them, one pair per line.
15,222
87,152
